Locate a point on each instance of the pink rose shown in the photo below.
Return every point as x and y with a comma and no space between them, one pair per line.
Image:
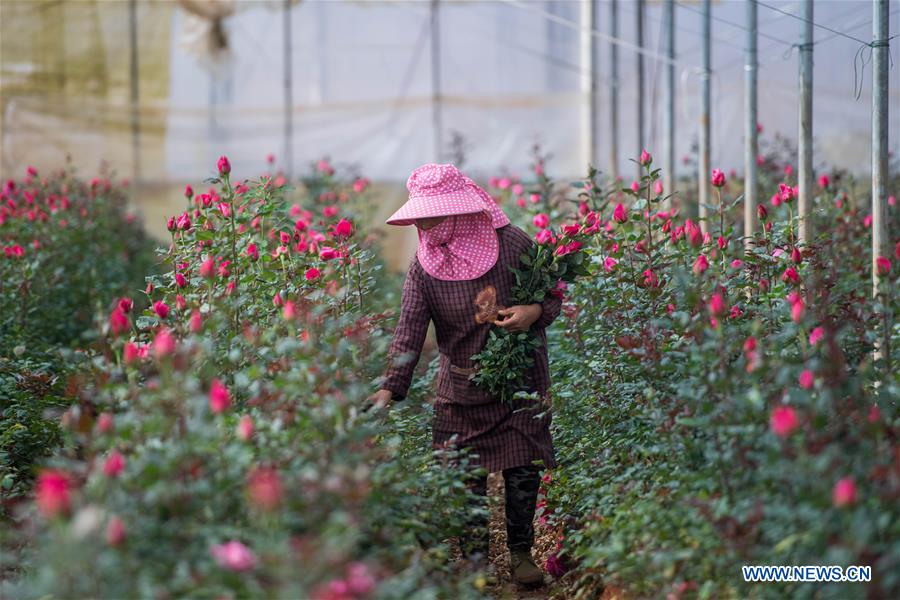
717,304
700,265
541,221
219,397
844,492
609,264
52,493
161,309
233,556
807,379
544,236
163,343
790,276
115,531
114,464
786,192
343,229
717,178
245,428
130,353
264,488
208,268
223,165
783,421
105,423
118,321
289,312
816,335
572,229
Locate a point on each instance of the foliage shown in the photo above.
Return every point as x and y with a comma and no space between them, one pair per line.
548,267
218,450
69,245
721,408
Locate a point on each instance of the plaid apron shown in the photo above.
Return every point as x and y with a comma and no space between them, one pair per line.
502,435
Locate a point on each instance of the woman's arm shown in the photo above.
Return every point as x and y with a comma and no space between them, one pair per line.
406,346
550,309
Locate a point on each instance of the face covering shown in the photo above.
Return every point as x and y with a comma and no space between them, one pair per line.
460,248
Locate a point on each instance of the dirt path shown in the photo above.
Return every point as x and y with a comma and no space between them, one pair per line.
544,543
499,556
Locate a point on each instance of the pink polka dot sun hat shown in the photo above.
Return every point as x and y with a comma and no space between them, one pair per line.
464,245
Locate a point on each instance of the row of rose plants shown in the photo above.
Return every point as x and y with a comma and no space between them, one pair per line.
218,447
68,246
718,404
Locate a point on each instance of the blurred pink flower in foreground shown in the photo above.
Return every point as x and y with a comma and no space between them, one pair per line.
807,379
844,492
52,493
233,556
114,464
219,397
783,421
115,531
245,428
264,488
163,343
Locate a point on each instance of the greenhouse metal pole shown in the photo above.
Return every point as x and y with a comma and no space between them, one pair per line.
588,47
436,117
751,135
288,92
704,160
880,61
639,26
669,176
135,93
804,144
614,90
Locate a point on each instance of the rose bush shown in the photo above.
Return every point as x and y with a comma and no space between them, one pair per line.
68,246
716,408
713,407
218,448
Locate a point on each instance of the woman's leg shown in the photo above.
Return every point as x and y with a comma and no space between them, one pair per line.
522,485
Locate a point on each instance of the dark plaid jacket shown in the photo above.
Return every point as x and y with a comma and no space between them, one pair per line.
450,304
501,435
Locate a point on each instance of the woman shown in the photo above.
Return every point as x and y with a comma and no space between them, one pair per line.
460,279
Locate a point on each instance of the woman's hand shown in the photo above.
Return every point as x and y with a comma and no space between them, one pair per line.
380,399
519,317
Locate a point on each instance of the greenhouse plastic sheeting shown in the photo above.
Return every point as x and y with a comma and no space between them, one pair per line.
362,86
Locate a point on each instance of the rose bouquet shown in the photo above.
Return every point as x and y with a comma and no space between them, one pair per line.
555,261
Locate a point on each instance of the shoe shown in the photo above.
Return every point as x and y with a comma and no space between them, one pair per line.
523,570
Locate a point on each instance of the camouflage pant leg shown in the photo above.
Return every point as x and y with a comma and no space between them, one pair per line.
522,485
477,538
